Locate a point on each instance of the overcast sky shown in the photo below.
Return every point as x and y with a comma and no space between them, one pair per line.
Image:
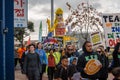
40,10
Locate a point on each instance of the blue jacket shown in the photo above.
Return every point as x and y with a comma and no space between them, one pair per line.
42,55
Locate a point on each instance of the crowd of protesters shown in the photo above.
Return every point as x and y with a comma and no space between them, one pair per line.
66,63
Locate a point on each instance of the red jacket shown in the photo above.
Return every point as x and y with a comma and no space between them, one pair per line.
51,61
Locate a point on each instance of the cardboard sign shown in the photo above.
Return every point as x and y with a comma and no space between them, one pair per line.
95,38
92,67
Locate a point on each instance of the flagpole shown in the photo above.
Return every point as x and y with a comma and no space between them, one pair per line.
40,32
52,13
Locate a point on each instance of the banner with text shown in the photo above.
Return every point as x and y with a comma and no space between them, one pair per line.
111,24
20,13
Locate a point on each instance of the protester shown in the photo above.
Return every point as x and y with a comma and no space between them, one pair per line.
116,56
51,64
73,70
61,72
63,51
84,58
15,56
104,61
75,51
43,58
116,73
32,64
69,51
25,53
20,52
23,57
57,55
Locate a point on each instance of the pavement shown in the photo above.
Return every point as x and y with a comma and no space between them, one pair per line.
20,76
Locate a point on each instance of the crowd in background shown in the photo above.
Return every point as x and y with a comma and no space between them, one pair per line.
66,63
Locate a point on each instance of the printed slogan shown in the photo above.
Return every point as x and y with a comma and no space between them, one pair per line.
111,24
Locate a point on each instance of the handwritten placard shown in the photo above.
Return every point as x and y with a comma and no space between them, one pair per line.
111,24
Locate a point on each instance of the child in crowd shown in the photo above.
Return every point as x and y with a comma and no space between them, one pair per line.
61,73
73,72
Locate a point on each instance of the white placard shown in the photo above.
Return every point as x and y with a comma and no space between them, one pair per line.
111,24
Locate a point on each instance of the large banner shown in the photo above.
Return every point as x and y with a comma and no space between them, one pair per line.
20,13
111,24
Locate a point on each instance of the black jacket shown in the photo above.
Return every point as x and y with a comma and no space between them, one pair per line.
82,61
116,59
61,72
32,62
105,64
72,69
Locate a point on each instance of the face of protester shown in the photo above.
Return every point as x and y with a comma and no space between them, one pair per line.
39,46
98,51
65,62
32,48
56,49
70,49
51,51
74,62
74,48
88,47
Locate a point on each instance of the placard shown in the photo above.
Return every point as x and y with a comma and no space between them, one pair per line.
95,38
111,24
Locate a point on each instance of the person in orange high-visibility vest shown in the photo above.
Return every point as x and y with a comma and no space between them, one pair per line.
20,51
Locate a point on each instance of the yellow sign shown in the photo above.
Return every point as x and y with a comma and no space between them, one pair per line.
96,38
69,38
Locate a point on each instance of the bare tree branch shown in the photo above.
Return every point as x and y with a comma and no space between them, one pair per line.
85,17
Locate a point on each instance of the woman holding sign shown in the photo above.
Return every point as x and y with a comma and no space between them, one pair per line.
89,63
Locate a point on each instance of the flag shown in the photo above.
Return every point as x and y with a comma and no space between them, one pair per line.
28,42
40,32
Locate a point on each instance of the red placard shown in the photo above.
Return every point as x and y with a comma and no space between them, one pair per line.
60,31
